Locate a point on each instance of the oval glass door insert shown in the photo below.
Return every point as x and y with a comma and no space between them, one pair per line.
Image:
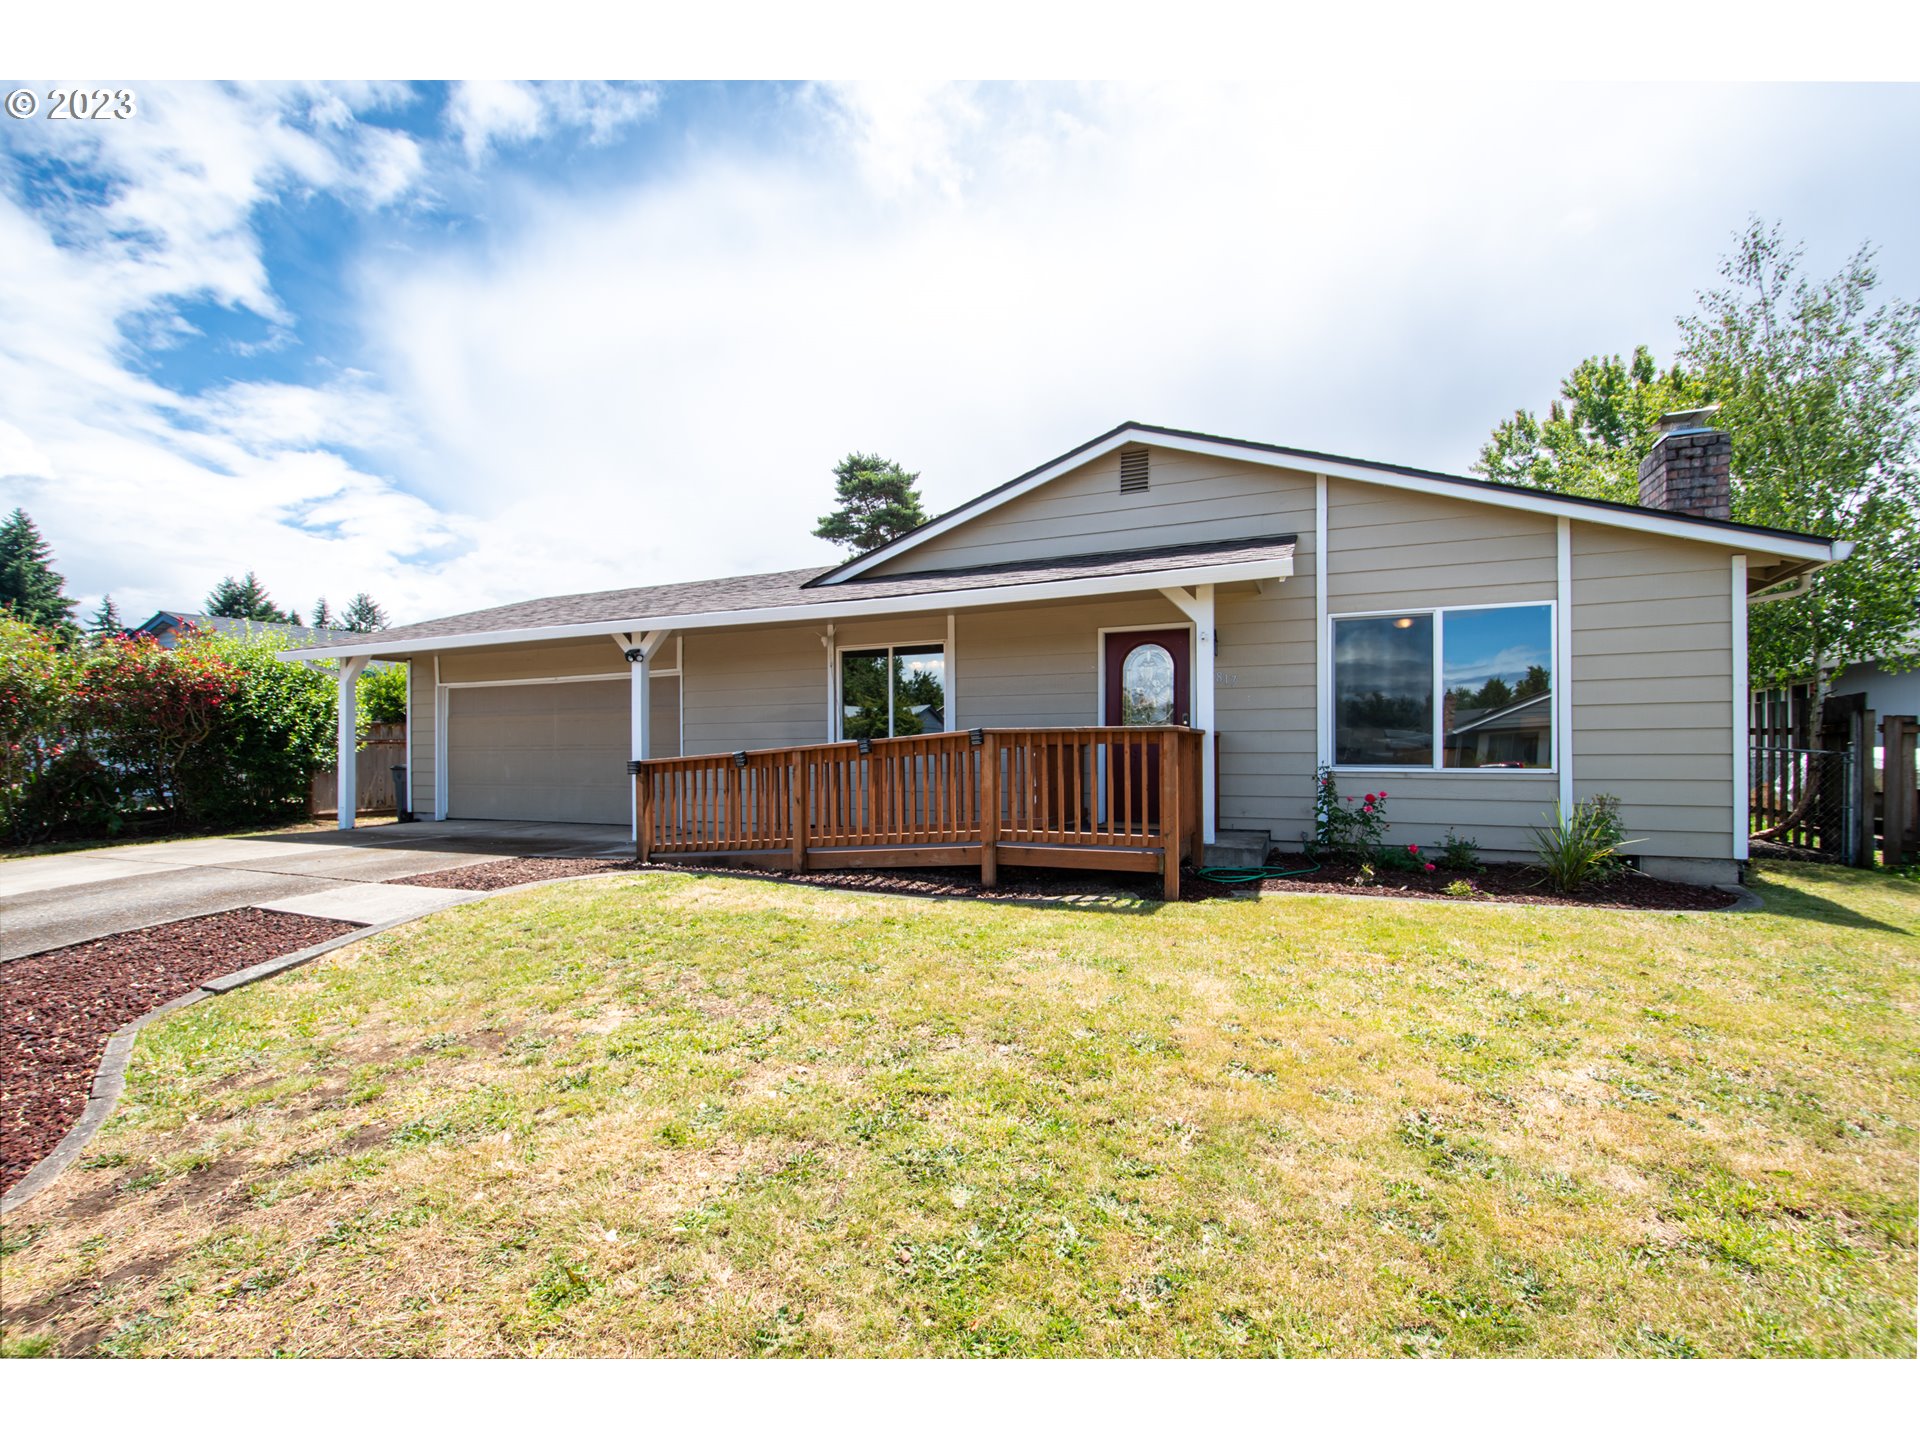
1146,686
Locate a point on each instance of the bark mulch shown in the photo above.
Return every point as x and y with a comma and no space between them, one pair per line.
58,1007
1013,884
1629,890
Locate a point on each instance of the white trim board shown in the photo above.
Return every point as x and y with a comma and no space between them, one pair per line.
1543,502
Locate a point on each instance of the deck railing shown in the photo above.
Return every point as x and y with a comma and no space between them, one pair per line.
1103,797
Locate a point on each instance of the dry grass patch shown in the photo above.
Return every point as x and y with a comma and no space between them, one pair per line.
671,1114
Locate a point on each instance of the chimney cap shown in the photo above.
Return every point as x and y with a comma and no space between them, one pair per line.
1687,422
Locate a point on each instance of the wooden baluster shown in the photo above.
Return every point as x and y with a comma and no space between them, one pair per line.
1170,815
987,805
798,789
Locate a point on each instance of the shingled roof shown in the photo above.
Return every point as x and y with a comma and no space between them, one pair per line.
657,606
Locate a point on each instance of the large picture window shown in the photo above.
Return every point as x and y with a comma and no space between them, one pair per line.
892,690
1463,688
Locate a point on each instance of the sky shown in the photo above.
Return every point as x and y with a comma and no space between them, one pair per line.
461,345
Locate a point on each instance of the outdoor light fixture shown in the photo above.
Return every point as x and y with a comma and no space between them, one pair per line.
976,737
866,746
740,758
633,767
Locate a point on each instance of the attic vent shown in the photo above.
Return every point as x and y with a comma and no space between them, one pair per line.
1133,471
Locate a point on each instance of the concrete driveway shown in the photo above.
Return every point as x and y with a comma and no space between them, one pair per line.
52,900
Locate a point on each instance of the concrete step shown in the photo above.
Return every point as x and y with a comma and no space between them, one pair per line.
1238,849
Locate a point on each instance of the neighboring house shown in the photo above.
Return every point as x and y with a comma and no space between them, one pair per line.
1299,608
166,626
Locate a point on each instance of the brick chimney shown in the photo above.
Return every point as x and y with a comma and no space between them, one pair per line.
1690,468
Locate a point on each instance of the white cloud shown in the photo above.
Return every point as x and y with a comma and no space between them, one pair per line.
485,115
649,380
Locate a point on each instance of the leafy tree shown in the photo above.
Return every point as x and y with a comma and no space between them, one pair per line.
1535,682
382,694
1818,386
322,614
106,618
276,729
363,616
30,588
245,599
1596,433
146,712
878,502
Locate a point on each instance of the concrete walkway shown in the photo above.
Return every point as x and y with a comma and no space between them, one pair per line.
53,900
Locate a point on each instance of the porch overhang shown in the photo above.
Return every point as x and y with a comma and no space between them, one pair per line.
1264,558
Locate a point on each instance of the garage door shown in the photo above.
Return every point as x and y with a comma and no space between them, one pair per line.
540,752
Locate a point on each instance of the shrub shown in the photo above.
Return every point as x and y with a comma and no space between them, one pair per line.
148,715
382,695
278,728
1460,889
1459,853
38,675
1403,857
1350,828
1582,847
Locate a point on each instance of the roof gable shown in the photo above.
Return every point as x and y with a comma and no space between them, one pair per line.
1602,512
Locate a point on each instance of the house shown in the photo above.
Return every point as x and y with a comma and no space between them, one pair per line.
1483,652
166,626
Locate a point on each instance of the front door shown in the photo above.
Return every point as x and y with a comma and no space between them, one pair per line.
1149,682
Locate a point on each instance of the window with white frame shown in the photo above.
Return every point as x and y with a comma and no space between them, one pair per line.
1454,688
889,690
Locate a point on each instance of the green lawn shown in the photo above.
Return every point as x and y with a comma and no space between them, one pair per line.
678,1115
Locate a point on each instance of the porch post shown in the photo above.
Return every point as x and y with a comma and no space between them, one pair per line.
1198,607
346,768
1203,643
640,650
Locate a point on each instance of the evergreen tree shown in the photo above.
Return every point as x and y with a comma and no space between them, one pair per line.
879,502
322,614
30,588
106,619
245,599
363,615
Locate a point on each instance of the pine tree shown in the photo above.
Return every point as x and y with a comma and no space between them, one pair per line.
106,619
879,502
30,588
363,615
245,599
322,614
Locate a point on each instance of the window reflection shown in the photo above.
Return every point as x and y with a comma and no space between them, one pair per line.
892,690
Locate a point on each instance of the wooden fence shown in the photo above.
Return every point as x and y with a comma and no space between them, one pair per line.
1088,797
384,747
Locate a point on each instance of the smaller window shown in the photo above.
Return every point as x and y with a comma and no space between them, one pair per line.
892,690
1133,471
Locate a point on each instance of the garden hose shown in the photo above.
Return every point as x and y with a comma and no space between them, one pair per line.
1247,875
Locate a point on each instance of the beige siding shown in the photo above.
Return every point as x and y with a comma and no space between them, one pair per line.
663,717
421,739
753,689
597,655
1040,665
1653,686
1191,499
1399,547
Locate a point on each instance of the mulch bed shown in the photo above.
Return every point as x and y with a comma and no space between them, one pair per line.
1013,884
499,874
58,1007
1629,890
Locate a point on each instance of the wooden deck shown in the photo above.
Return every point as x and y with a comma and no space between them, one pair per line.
1093,797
